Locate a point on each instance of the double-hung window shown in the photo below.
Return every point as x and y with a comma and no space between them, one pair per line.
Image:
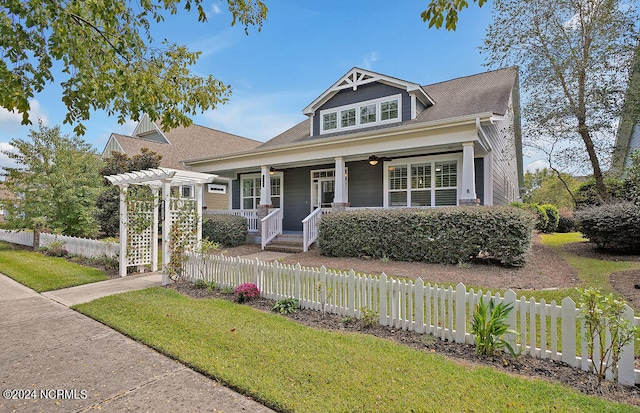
250,191
363,114
423,182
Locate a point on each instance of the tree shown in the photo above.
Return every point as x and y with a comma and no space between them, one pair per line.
544,187
575,59
108,57
55,178
440,10
108,202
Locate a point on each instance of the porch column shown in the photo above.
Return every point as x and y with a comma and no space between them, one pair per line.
265,196
154,231
166,228
340,195
124,233
199,202
468,196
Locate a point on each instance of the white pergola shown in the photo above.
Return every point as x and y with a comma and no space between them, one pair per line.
156,179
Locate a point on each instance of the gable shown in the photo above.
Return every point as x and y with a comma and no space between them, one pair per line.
147,129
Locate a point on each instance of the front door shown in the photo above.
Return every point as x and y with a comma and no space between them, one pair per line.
323,192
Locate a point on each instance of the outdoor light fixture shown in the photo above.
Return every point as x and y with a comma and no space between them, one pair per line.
373,160
272,170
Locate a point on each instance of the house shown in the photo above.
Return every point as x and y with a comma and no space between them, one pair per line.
183,143
375,141
628,138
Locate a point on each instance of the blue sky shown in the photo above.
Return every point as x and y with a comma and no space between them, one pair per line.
302,49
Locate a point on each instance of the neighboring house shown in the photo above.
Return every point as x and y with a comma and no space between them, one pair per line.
183,143
374,141
628,139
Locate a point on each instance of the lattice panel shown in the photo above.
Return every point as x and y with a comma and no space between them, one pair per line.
183,215
139,232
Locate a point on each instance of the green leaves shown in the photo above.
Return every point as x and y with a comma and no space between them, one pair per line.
489,325
440,10
109,59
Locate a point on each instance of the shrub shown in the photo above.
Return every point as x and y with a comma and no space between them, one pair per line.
443,235
286,306
553,216
611,226
587,194
245,292
55,249
489,325
226,230
566,222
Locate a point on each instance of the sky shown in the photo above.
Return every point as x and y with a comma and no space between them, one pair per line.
302,49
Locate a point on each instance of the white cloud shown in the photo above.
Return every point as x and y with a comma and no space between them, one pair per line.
10,121
256,117
215,9
4,159
369,60
539,164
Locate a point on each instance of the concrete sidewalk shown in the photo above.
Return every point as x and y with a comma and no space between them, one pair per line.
66,362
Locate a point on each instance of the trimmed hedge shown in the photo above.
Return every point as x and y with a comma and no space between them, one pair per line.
542,219
553,216
226,230
611,226
443,235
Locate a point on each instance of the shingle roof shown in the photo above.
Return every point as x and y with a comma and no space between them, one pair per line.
191,142
487,92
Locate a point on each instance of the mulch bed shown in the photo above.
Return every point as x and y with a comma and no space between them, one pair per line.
523,365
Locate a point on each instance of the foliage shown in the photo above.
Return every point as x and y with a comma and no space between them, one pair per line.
105,47
566,222
202,284
182,235
613,226
543,186
553,216
440,10
631,185
55,179
602,314
489,325
286,306
108,202
574,60
54,249
245,292
542,219
587,194
370,318
227,230
443,235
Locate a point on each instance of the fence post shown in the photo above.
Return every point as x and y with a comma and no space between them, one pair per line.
296,290
419,303
351,294
568,311
461,313
626,374
382,288
510,298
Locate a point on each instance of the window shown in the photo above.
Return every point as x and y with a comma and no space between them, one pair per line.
329,121
389,110
363,114
250,191
186,191
422,183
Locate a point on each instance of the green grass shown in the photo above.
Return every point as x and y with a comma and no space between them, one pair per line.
42,273
290,367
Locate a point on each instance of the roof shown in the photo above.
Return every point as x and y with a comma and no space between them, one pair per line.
482,93
186,143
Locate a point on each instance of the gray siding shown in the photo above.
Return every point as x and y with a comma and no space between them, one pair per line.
235,194
365,184
111,146
365,92
297,197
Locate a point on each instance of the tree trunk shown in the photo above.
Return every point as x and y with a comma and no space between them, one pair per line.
595,163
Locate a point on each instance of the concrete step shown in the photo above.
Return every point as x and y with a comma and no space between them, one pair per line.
291,243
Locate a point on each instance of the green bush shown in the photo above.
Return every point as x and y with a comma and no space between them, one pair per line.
553,216
611,226
566,222
226,230
542,219
587,194
443,235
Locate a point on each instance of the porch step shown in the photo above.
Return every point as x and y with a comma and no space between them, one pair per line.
291,243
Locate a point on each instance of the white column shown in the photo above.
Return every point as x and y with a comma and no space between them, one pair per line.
265,186
340,195
166,227
154,231
468,173
124,225
199,203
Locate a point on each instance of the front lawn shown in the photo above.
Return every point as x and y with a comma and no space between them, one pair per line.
290,367
42,273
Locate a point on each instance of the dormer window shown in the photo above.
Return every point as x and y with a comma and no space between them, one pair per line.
363,114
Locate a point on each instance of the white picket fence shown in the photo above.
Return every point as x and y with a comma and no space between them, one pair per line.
76,246
550,331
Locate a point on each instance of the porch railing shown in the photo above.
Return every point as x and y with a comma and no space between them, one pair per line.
250,214
310,228
271,226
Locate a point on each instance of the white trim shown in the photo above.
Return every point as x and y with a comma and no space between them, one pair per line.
216,189
357,107
259,177
328,178
457,157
